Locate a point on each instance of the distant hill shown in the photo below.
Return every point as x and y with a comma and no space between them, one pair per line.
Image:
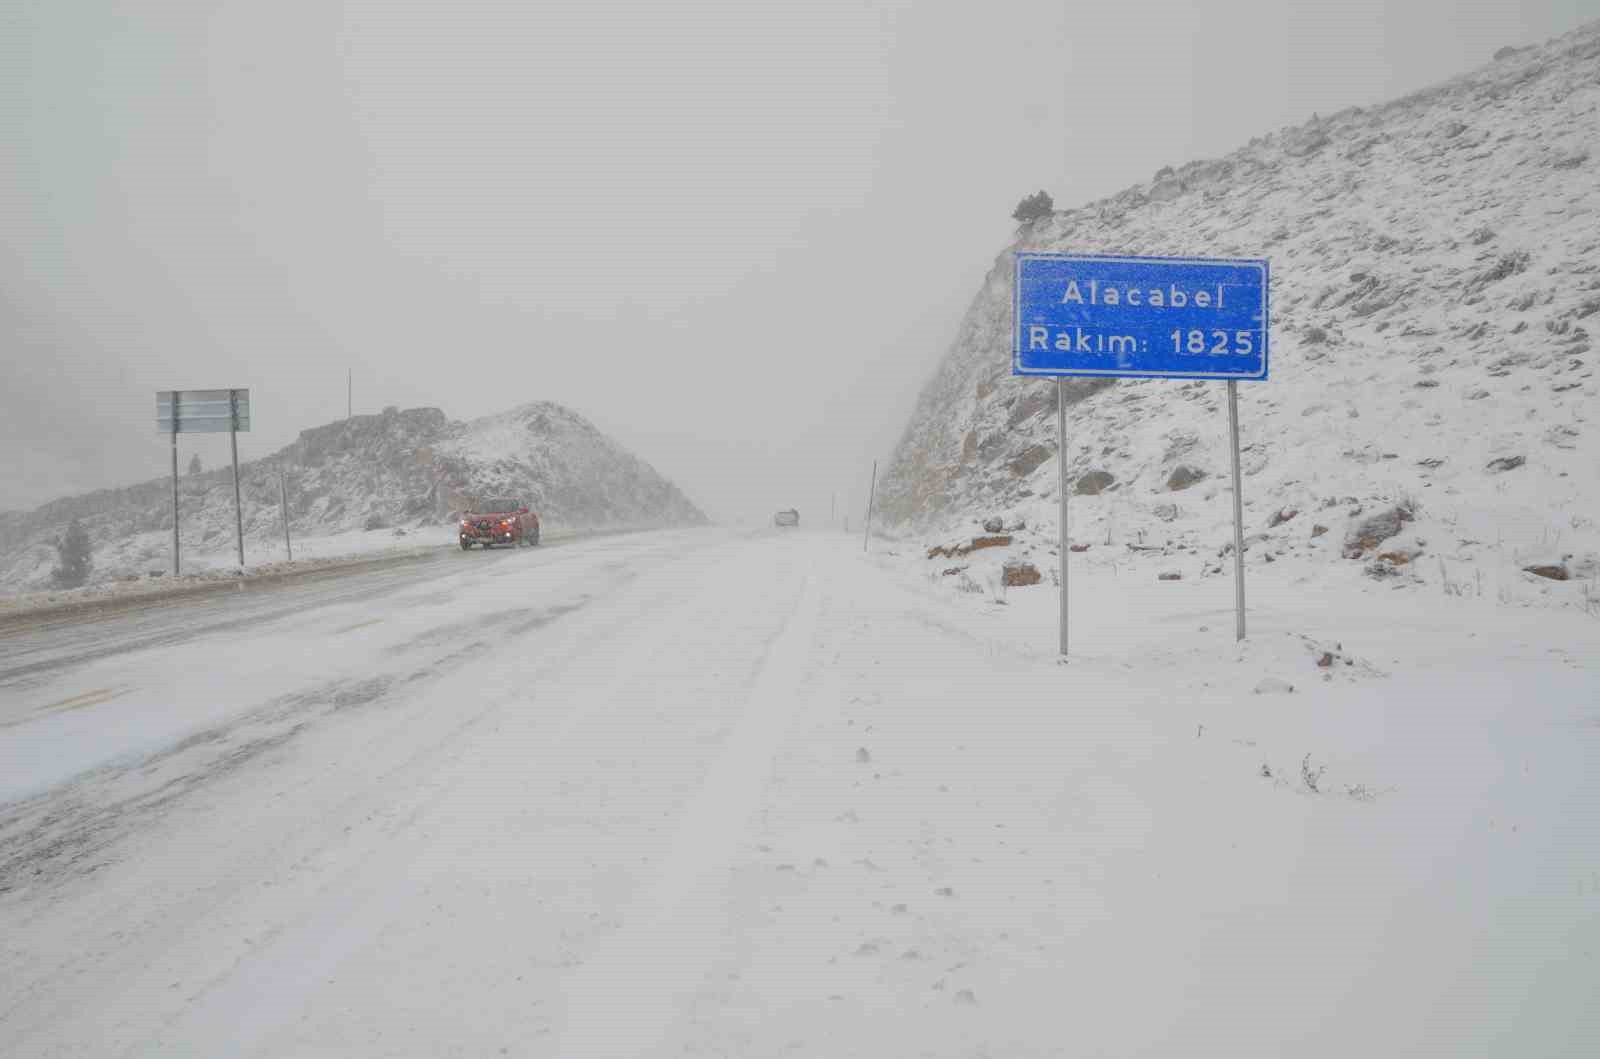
1436,288
401,469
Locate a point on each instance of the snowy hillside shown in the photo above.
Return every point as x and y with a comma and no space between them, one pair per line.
401,471
1436,283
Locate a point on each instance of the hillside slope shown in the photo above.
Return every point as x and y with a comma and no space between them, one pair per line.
400,470
1436,279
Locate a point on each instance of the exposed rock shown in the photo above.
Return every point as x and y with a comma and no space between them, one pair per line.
1165,512
993,524
1077,547
1553,571
1374,530
1170,575
1093,483
1279,517
1183,476
1029,460
1017,572
1318,530
1506,463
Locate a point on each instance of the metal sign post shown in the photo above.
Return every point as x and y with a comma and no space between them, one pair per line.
1142,317
1061,487
174,477
233,441
1238,510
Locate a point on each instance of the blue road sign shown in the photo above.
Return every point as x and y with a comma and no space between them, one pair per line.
1149,317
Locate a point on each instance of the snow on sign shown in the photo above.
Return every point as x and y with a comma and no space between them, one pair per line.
1142,317
202,411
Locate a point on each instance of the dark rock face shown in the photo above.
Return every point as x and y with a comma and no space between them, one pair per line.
1029,460
1093,483
1183,476
1374,530
1553,571
1017,573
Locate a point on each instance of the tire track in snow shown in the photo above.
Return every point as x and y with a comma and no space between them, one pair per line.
651,968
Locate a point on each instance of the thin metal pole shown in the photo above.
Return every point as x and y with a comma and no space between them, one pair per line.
1061,487
174,483
349,391
871,495
283,503
1238,509
238,505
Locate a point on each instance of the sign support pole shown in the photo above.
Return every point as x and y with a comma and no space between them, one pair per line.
283,503
238,506
1238,509
871,496
1061,487
175,483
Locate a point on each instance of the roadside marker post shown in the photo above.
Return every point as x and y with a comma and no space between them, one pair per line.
871,496
283,506
1144,318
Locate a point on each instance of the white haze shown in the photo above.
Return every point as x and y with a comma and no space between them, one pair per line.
735,235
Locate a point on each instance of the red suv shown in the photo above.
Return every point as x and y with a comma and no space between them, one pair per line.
499,521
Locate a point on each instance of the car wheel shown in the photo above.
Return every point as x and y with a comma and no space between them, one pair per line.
466,545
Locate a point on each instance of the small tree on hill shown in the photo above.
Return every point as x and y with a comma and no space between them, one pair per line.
194,464
1033,207
73,559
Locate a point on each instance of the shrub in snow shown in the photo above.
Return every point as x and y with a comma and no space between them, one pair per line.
1311,776
73,557
1037,205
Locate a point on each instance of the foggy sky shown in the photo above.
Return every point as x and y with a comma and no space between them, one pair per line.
736,235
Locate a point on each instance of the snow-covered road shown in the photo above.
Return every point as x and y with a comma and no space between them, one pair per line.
710,793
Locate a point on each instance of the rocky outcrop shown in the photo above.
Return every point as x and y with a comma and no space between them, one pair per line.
397,470
1434,304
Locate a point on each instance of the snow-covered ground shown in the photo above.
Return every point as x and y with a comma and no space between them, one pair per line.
754,794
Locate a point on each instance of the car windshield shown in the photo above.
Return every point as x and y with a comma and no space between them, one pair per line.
497,506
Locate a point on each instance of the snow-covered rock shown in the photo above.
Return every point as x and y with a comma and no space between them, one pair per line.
1435,293
396,470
